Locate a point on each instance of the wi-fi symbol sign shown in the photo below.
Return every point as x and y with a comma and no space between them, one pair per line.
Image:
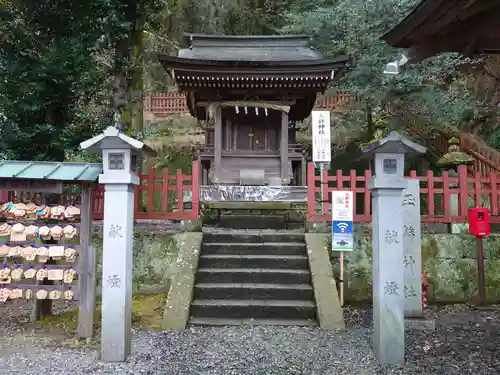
342,226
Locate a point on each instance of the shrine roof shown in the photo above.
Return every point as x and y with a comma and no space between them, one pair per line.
113,138
393,143
247,66
434,26
252,65
249,48
275,54
52,171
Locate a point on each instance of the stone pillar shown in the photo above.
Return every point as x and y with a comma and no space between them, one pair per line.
117,260
388,279
412,243
284,148
120,154
387,244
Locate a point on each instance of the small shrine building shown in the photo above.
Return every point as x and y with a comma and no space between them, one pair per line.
251,90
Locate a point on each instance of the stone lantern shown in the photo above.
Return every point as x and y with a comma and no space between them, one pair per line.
454,157
387,187
450,162
120,155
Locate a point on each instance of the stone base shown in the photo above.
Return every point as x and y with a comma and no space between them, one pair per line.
329,311
176,314
420,324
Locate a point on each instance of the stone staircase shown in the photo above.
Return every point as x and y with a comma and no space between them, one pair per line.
253,277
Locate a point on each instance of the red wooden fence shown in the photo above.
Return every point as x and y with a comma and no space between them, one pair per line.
435,192
160,196
173,102
486,159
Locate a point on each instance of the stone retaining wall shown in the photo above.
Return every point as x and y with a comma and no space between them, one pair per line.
449,261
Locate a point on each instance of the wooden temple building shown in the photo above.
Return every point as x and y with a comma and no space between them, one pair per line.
251,90
469,27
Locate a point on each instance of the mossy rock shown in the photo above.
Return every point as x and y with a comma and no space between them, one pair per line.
455,158
147,313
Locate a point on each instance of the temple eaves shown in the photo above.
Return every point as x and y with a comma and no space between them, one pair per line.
466,26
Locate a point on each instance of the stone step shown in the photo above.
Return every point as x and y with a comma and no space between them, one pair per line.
252,221
258,309
238,322
253,261
261,291
252,275
271,248
252,237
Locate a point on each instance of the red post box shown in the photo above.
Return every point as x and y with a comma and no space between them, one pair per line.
479,222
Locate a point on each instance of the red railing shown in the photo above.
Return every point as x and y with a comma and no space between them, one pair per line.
171,102
160,196
435,193
174,102
486,159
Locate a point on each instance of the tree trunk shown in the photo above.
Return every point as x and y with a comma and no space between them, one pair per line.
136,86
128,84
369,123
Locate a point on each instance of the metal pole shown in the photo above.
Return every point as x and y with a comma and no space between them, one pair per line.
342,279
321,168
480,271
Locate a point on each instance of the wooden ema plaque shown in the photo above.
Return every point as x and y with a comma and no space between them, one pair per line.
37,258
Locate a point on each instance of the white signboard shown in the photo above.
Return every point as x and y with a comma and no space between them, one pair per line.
342,205
342,225
321,136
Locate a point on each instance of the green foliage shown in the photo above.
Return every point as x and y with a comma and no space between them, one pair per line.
48,72
435,90
66,67
254,17
60,64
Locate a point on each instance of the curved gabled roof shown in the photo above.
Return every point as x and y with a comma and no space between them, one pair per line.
249,48
251,65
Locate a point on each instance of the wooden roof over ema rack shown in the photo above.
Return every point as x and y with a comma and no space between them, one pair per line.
434,26
217,68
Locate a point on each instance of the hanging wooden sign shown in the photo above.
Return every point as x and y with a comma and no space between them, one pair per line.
39,186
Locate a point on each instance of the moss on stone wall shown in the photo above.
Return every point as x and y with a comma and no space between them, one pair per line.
155,256
449,261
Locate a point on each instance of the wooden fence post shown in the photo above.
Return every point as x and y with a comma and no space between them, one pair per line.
86,268
430,193
151,190
195,186
164,191
367,198
463,185
180,191
494,193
311,192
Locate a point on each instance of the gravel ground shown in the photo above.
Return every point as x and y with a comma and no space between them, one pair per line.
465,341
